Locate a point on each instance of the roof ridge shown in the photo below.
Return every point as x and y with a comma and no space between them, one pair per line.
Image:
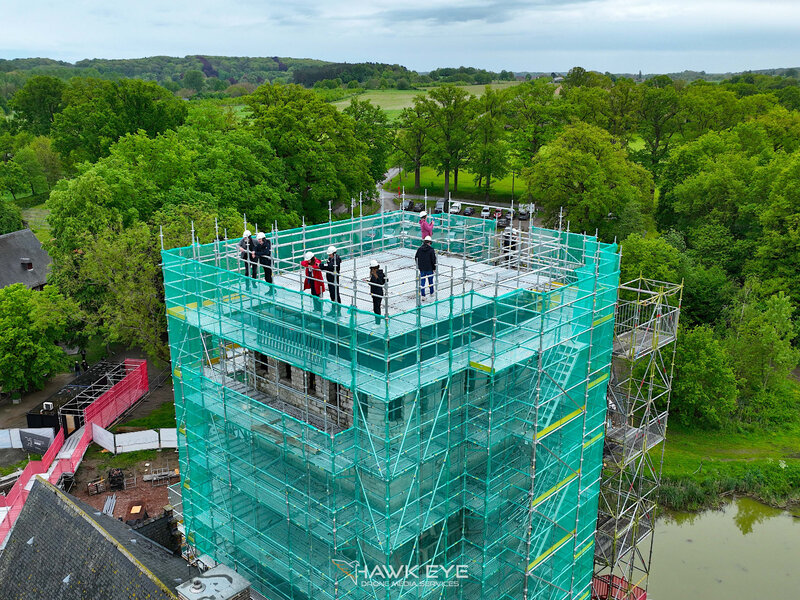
121,547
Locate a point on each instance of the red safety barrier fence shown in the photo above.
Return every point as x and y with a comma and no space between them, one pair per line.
612,587
103,411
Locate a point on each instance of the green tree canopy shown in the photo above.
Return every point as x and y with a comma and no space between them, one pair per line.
10,217
322,157
372,128
449,111
38,102
30,325
704,390
593,180
98,113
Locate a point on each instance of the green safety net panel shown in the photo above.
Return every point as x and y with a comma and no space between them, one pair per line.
468,463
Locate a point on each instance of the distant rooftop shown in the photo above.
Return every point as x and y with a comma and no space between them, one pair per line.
23,260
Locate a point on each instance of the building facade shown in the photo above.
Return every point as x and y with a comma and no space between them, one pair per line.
445,449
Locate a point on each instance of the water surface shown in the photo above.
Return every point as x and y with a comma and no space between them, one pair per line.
747,551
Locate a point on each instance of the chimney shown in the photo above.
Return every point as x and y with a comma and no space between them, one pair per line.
219,583
27,264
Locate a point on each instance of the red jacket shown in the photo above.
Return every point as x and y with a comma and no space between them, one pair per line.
313,276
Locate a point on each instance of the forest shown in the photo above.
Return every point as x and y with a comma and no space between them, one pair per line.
697,182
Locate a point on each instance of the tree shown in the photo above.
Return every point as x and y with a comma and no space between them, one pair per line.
34,173
10,217
48,159
322,157
777,255
411,142
535,115
449,111
760,345
623,100
707,107
651,258
659,121
194,80
704,389
38,102
372,128
99,112
12,178
488,156
593,181
30,325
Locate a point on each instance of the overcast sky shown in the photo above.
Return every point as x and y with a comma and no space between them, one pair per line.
519,35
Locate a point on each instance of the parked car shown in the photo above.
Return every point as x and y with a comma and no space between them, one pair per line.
503,222
469,211
497,213
439,208
408,205
523,215
418,207
455,208
485,212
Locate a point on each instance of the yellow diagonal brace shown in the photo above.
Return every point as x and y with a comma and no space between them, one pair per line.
550,550
553,490
552,427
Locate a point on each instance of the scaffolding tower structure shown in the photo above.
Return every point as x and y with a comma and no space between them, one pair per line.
442,449
645,337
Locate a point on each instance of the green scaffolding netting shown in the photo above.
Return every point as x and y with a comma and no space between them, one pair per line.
450,449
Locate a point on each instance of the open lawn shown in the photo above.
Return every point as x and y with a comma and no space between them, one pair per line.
394,101
467,188
703,468
36,218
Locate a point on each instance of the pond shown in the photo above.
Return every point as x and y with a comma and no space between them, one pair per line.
747,551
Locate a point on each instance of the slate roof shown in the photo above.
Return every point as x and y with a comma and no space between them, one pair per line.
62,549
22,244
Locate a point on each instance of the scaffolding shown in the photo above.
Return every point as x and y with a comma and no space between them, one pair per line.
638,405
448,449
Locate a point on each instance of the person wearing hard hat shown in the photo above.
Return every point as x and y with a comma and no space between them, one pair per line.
332,268
507,232
263,252
425,226
313,281
247,253
377,282
426,265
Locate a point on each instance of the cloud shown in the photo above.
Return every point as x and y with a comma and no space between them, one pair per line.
537,35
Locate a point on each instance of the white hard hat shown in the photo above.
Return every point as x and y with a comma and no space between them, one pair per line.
331,249
260,235
309,255
246,233
428,239
423,214
509,229
373,263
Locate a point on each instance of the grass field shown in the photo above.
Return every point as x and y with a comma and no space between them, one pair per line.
467,189
161,417
703,468
394,101
36,218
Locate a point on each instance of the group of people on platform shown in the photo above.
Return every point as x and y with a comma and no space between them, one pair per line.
258,252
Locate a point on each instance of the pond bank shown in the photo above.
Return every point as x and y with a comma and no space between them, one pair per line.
705,469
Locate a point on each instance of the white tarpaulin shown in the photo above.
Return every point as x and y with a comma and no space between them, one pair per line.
104,438
138,440
5,439
169,438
